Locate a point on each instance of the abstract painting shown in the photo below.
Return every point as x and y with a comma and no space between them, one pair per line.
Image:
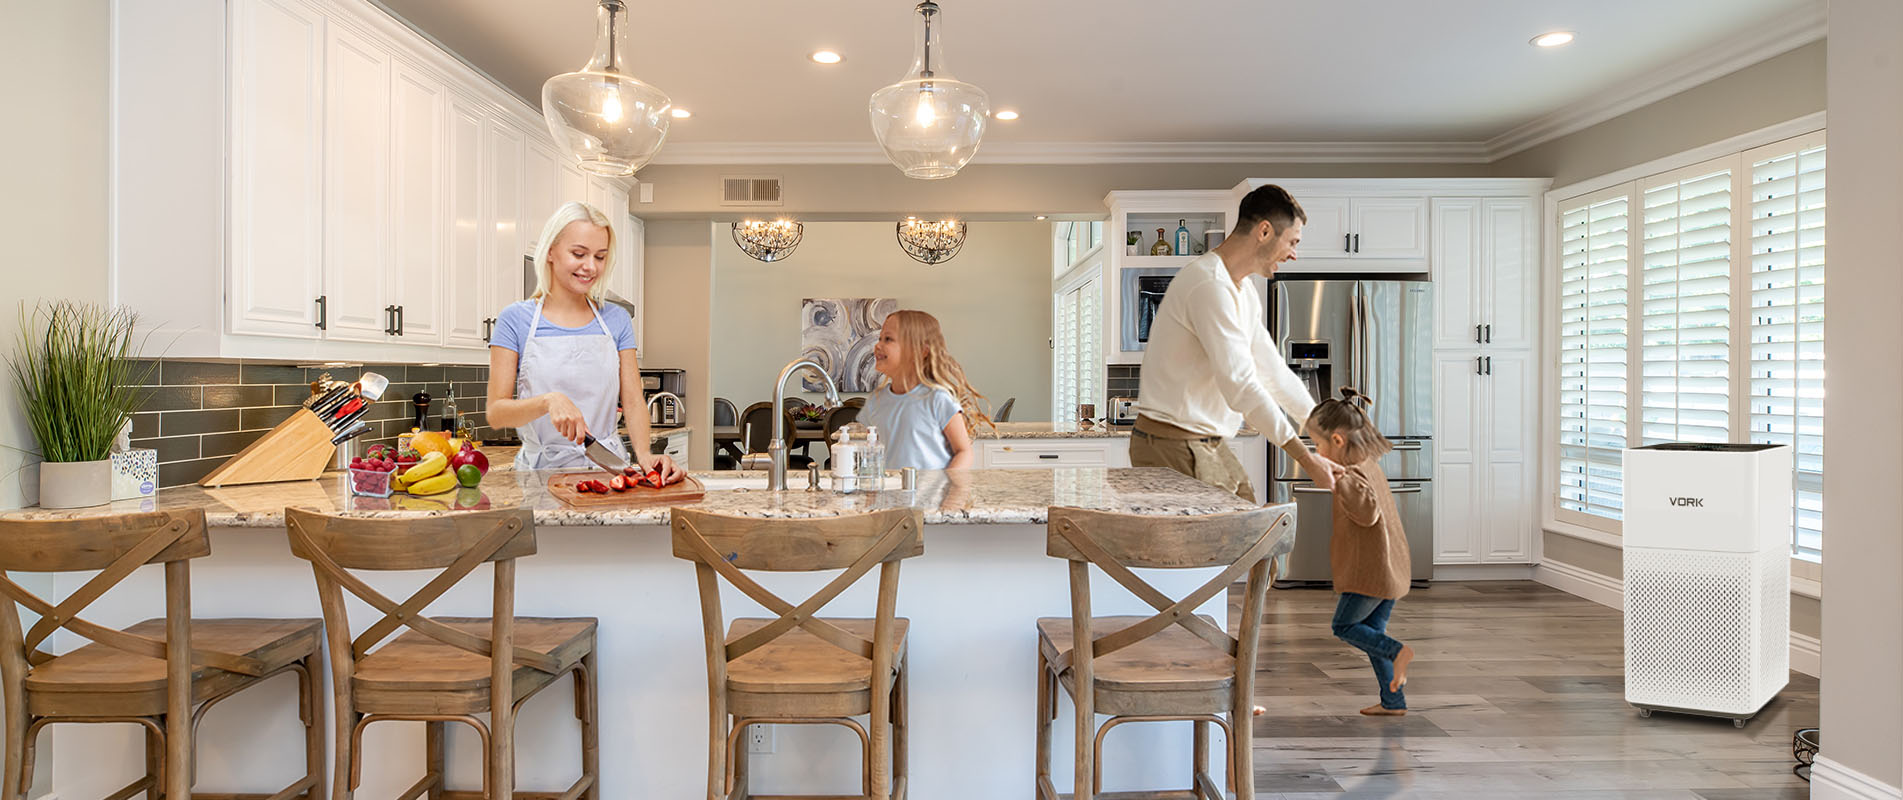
839,335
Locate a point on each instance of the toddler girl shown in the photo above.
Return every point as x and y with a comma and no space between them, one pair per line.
925,410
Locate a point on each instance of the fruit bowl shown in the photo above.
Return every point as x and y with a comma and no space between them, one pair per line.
370,482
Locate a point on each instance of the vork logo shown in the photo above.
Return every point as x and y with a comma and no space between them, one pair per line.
1693,502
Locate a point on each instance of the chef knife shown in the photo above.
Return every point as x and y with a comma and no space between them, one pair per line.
602,456
323,409
351,432
321,399
344,420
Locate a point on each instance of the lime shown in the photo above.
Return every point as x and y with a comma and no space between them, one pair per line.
468,475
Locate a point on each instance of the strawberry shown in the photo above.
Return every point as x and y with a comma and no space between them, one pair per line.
618,483
600,488
631,471
584,487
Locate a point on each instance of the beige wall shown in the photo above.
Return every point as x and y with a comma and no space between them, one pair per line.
679,294
993,299
53,189
1777,89
1863,433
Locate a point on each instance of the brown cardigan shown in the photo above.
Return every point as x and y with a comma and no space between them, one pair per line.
1368,553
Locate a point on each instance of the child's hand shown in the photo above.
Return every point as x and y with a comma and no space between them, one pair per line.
1322,471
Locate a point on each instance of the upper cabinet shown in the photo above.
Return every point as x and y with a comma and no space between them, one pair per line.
1360,234
1484,273
379,200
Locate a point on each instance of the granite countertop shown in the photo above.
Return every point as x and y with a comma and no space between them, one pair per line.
1065,430
947,497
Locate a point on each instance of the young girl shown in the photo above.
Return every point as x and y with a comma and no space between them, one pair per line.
1368,553
925,410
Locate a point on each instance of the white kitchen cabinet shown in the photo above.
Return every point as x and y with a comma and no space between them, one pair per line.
420,229
1485,284
1327,233
541,193
574,184
470,185
1053,453
356,188
630,269
1390,234
1389,228
1483,459
276,273
509,229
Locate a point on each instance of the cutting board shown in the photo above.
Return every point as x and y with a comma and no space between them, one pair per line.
562,485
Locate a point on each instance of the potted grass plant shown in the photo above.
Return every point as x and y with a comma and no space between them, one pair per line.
79,385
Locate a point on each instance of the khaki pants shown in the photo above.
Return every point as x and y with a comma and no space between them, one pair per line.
1208,460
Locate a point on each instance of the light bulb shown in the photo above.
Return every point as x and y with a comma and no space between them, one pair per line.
611,108
926,113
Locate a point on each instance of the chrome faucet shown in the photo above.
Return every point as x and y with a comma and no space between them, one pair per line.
776,449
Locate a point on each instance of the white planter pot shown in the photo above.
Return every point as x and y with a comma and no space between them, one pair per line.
75,484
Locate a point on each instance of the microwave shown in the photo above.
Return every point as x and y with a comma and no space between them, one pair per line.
1141,295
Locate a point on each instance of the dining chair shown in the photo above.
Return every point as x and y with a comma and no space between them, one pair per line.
756,434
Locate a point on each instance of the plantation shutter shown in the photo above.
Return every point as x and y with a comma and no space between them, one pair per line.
1787,318
1065,367
1593,287
1685,287
1089,346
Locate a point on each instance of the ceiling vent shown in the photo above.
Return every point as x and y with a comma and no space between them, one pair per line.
750,190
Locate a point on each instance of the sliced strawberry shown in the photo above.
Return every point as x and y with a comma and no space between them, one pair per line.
631,471
618,483
584,487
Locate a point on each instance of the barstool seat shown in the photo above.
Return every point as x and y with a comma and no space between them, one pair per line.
799,662
106,681
414,673
1171,661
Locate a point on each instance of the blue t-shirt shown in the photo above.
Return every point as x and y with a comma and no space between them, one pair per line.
912,425
512,326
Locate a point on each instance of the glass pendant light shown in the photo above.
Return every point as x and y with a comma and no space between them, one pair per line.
611,123
929,123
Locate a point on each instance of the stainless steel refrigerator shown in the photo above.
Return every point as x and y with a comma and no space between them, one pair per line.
1376,336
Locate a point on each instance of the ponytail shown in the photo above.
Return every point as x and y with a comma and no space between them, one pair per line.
1348,416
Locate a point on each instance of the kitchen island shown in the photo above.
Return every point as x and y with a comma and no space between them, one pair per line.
971,598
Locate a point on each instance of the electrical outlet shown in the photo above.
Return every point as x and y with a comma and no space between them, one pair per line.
759,738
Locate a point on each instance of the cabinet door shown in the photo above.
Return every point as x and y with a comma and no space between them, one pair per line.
1325,234
1389,228
1507,530
541,188
419,224
469,240
1457,278
1509,288
502,266
276,209
631,270
575,185
1458,467
356,187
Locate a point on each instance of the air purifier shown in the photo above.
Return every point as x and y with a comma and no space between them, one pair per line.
1707,577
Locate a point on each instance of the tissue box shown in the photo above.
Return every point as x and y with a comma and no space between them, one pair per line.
135,473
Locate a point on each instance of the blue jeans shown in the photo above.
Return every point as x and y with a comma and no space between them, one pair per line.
1362,621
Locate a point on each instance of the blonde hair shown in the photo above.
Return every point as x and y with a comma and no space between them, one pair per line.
933,365
571,212
1348,416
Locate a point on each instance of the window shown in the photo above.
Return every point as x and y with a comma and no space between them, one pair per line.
1691,309
1077,347
1787,317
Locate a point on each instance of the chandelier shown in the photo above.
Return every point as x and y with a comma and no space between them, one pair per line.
929,123
931,242
767,241
610,123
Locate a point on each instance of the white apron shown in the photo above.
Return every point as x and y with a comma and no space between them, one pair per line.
585,369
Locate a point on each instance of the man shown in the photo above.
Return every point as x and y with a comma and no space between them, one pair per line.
1211,364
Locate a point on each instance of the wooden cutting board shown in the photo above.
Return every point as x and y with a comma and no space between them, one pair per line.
562,485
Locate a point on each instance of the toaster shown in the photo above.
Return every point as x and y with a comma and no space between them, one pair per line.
1123,410
666,411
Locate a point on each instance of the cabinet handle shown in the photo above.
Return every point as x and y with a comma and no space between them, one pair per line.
1477,366
1345,240
323,312
1357,242
1489,365
399,320
1489,333
1477,334
1048,456
389,320
488,329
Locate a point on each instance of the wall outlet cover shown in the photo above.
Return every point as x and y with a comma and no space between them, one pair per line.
759,738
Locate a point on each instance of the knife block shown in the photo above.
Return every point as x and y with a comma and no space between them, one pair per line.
298,449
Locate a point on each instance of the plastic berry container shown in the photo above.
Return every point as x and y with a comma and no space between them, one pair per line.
370,482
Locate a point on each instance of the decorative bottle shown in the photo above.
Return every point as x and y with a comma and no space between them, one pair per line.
1182,237
1162,246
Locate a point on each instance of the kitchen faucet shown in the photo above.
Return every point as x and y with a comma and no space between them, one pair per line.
776,449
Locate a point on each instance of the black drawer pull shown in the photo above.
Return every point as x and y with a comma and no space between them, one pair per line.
1051,456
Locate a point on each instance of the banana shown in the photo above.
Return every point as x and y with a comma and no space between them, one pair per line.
435,484
430,465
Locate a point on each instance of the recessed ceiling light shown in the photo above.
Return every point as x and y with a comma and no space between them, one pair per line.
1007,116
826,57
681,113
1040,216
1554,39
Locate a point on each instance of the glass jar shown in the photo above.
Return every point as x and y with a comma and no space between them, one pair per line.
871,462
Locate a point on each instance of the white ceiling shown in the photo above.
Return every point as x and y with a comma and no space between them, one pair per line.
1117,72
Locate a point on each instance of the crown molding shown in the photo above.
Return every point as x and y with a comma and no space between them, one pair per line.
1777,37
1080,153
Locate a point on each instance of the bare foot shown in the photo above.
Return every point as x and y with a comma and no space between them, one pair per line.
1377,710
1400,668
1257,711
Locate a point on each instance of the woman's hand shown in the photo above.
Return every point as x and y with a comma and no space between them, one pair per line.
665,465
566,418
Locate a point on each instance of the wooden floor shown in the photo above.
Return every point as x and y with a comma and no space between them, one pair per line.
1516,693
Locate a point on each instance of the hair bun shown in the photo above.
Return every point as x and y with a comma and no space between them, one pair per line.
1354,397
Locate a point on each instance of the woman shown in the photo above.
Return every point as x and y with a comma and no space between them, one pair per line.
561,360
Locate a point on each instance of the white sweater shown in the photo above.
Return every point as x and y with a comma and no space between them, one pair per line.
1211,364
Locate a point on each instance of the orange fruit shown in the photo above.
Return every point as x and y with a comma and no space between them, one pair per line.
426,442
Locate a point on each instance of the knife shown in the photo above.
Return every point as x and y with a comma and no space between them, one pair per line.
352,432
320,399
602,456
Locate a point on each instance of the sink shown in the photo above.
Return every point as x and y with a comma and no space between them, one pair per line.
795,482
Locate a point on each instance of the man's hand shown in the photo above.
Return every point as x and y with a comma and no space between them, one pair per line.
1321,470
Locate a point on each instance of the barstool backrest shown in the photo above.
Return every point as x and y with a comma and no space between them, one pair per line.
454,543
1240,542
721,546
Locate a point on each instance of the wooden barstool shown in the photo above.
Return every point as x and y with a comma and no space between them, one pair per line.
163,674
443,669
799,668
1174,665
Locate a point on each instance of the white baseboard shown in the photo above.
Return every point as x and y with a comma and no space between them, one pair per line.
1579,582
1830,780
1483,572
1807,652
